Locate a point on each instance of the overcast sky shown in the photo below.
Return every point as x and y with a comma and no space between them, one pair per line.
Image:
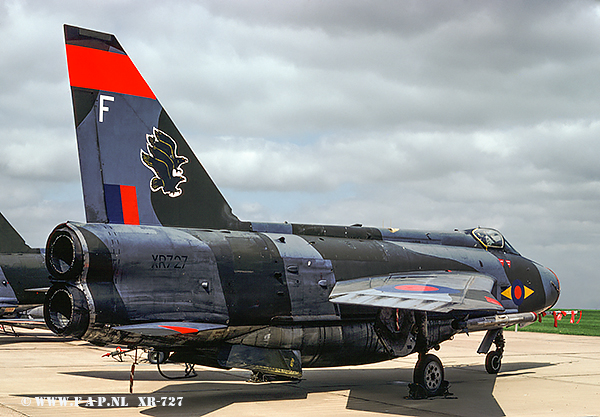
412,114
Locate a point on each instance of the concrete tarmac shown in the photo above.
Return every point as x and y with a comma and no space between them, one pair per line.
541,375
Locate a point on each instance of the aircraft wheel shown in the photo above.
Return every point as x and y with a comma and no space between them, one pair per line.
157,356
493,362
429,373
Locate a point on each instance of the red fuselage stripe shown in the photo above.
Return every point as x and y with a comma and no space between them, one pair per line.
107,71
179,329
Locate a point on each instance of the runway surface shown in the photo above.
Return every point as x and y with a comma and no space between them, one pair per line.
541,375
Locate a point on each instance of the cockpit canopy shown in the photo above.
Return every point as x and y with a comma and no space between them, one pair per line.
492,239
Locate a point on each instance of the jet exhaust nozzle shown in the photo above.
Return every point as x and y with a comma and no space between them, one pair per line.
66,310
64,255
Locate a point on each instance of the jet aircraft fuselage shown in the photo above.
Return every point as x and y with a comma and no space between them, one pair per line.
274,290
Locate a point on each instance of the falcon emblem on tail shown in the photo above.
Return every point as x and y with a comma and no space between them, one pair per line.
163,161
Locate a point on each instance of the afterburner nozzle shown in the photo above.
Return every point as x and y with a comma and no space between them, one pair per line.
66,310
64,255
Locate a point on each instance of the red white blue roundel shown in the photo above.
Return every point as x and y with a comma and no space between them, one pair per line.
517,292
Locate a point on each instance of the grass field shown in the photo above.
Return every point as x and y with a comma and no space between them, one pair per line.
588,326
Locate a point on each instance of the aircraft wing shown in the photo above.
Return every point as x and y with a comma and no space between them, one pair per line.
167,328
441,291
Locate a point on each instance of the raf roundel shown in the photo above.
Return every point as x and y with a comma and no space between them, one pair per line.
517,292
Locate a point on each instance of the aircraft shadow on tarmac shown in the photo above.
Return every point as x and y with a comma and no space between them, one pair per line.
372,390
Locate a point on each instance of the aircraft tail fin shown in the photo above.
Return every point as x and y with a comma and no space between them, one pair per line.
136,167
10,240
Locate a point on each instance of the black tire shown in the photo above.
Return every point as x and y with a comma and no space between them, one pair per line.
156,356
493,362
429,373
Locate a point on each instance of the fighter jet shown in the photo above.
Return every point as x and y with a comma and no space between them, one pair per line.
163,263
23,279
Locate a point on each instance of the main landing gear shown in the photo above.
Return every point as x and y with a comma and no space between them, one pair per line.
428,375
428,378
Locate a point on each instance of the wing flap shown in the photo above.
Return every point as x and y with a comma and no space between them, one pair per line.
439,291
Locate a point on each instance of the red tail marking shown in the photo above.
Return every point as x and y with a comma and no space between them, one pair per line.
108,71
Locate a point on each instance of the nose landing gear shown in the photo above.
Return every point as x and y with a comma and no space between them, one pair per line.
493,362
493,359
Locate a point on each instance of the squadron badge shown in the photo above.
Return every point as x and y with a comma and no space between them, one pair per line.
163,161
